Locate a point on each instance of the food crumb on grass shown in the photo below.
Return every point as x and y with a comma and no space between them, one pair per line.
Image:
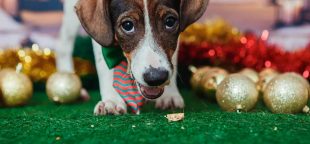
175,117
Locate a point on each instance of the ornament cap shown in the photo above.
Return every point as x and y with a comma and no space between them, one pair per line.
306,110
192,68
19,68
239,108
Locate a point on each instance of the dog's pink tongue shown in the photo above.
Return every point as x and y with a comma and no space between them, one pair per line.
151,92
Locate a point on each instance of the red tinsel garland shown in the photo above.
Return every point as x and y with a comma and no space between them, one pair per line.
249,52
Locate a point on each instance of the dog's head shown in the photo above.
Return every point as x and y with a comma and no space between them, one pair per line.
147,30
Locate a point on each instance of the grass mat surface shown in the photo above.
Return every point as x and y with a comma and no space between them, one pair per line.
44,122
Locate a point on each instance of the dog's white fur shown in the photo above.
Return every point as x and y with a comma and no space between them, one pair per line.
68,33
147,54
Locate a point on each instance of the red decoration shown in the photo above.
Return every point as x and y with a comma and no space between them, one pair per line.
249,52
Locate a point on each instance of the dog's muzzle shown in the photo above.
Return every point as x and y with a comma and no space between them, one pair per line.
151,92
155,78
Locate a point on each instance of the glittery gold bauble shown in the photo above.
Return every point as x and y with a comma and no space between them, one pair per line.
15,88
265,76
286,94
212,78
299,77
237,93
197,77
63,87
250,73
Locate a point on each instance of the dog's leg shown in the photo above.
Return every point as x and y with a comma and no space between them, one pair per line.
111,102
171,97
68,32
65,44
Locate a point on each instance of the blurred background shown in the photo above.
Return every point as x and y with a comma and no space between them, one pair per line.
35,24
38,21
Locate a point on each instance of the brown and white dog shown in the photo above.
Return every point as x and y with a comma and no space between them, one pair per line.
147,30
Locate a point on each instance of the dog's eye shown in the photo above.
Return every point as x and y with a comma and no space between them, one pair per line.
170,22
128,26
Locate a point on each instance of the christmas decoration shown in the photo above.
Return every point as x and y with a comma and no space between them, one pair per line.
299,77
250,73
235,51
237,93
197,76
286,94
63,87
15,88
207,79
218,31
213,78
39,63
265,76
238,50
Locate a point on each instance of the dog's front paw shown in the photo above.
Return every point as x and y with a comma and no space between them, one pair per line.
170,101
109,107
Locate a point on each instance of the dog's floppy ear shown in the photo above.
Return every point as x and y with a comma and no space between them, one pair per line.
95,18
191,11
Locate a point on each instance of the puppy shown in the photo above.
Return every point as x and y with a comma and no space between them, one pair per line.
148,32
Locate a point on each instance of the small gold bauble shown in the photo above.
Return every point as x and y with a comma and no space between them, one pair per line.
212,78
250,73
15,88
237,93
197,77
63,87
265,76
286,94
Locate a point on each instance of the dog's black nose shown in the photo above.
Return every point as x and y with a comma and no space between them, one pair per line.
155,76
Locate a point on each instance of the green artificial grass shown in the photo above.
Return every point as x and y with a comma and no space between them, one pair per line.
44,122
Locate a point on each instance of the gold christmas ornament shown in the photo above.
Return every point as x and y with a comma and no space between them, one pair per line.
198,74
286,94
250,73
265,76
63,87
206,79
299,77
39,63
237,93
15,88
212,78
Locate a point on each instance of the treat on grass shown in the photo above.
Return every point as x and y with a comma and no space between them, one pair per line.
175,117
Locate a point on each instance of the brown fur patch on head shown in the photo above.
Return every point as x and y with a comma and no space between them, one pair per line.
95,18
103,20
134,10
124,10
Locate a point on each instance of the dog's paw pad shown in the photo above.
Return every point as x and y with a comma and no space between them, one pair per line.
109,108
170,102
